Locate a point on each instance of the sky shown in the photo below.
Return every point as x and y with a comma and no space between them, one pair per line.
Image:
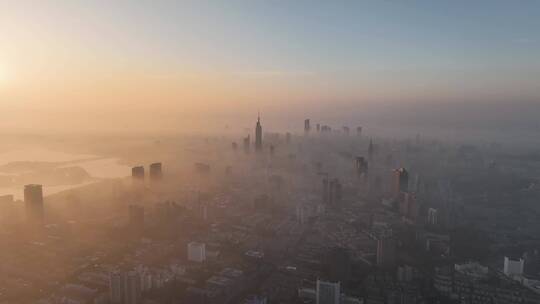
205,64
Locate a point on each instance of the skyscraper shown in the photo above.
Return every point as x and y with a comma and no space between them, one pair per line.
132,291
386,252
359,131
371,149
258,135
401,181
156,172
328,292
361,166
307,127
432,216
247,144
33,199
332,191
137,173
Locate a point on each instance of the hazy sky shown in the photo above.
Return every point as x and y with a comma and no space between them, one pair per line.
104,63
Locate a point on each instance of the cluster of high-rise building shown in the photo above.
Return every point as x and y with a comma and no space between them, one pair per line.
125,287
155,172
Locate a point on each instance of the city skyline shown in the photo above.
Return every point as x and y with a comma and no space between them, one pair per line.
171,64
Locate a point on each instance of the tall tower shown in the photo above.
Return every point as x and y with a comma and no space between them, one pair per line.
258,135
156,172
307,127
401,181
371,149
33,199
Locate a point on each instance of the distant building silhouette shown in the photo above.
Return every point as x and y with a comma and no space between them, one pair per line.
371,150
137,173
288,138
196,252
318,127
125,288
386,253
401,181
408,207
361,166
234,146
432,216
359,131
346,130
247,144
258,135
156,172
326,129
33,199
334,192
307,127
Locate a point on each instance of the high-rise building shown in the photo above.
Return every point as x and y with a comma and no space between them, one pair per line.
155,172
432,216
307,127
258,135
332,191
359,131
196,252
125,287
33,200
361,166
132,290
326,129
346,130
408,206
247,144
137,173
513,267
318,127
328,292
401,181
386,252
371,150
288,138
116,287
